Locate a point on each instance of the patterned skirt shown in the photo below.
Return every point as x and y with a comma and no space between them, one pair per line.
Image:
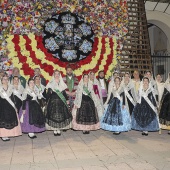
86,117
58,115
144,118
115,118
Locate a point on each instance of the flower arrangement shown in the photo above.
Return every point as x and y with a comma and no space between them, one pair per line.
21,24
107,17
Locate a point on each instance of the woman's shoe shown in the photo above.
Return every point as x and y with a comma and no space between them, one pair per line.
5,139
86,132
116,133
32,137
144,134
57,134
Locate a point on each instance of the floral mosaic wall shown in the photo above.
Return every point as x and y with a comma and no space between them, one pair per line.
21,30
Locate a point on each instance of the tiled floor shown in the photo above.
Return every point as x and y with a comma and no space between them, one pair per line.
100,150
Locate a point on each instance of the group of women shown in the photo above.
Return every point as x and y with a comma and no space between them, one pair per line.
38,108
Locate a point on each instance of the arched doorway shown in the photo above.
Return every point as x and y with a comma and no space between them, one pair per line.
159,34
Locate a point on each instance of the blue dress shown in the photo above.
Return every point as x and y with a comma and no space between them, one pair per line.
115,118
143,116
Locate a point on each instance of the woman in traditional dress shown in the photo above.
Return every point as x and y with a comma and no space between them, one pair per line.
164,114
160,85
40,91
58,112
86,115
116,118
96,86
31,116
129,92
145,114
152,81
17,92
112,79
9,123
114,75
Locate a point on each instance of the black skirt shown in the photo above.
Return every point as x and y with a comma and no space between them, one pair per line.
164,114
87,113
58,114
143,113
36,116
113,114
8,117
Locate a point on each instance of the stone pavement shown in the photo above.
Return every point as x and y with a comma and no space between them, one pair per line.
100,150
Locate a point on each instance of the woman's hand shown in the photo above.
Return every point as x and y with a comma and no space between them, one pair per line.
68,102
23,112
123,106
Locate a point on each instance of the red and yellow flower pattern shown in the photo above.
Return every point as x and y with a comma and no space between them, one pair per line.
28,52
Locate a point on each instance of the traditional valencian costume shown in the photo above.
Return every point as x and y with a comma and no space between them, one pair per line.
130,94
41,94
145,114
33,120
17,95
89,110
116,118
160,86
164,114
58,113
153,84
9,122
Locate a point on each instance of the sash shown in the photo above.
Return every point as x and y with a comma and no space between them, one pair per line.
70,83
150,104
5,96
61,97
153,108
129,97
87,91
16,93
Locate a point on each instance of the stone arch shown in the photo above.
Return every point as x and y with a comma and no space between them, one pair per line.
162,21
